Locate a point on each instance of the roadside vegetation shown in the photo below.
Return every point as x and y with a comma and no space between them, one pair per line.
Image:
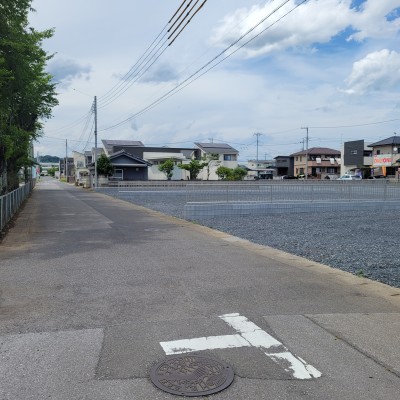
27,93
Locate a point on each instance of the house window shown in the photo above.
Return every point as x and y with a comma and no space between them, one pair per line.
118,174
229,157
378,152
297,158
353,152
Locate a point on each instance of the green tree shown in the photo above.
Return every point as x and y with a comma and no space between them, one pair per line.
104,166
238,174
231,174
27,94
194,168
224,173
167,168
52,171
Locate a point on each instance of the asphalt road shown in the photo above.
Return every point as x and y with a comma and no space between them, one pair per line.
94,291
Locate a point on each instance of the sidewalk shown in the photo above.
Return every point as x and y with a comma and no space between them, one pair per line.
93,291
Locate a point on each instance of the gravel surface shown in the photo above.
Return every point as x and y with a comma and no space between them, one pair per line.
364,243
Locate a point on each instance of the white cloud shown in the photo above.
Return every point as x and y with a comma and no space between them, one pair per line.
372,22
377,71
316,21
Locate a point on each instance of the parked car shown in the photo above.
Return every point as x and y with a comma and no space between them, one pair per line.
377,177
348,177
289,177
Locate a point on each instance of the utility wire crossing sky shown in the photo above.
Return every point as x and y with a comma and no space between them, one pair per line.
196,71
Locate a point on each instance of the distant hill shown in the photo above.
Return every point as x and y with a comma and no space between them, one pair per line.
49,159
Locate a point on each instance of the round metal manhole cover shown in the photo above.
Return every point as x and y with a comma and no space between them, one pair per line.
191,375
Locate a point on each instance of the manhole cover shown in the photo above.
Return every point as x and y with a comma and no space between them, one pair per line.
191,375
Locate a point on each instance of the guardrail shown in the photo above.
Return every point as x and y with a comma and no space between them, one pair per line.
11,202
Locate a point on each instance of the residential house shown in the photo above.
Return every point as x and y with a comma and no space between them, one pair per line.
90,163
386,157
128,167
218,154
261,169
156,156
66,168
81,170
319,162
356,158
284,165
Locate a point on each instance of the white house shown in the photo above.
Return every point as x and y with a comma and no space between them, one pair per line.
218,154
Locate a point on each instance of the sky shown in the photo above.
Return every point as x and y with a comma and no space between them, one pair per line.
253,74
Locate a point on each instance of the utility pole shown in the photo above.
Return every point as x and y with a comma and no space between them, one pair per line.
66,161
258,134
95,143
306,174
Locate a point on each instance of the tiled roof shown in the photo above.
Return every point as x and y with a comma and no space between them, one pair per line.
318,151
109,144
218,148
387,142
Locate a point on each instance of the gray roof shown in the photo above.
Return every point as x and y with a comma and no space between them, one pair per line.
109,144
394,140
316,151
131,156
218,148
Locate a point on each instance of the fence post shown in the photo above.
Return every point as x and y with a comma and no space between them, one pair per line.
385,191
1,213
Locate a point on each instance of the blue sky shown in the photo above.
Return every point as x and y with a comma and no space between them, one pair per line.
330,65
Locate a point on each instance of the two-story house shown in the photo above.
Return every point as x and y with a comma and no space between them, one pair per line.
217,154
356,158
318,161
81,170
284,165
386,156
261,169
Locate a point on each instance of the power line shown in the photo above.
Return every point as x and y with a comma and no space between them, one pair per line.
196,75
355,125
149,57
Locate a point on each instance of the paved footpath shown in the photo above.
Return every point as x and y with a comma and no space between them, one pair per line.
94,291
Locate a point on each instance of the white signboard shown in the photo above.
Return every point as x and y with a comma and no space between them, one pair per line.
381,160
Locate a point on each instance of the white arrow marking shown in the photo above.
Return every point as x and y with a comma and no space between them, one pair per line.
249,334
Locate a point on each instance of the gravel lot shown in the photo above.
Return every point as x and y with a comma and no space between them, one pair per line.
365,243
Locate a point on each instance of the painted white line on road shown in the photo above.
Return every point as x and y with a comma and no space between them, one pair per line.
250,335
204,343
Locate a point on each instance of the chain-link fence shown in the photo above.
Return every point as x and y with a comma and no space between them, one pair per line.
277,193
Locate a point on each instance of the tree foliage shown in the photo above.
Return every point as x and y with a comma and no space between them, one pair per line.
194,168
231,174
104,166
27,93
167,167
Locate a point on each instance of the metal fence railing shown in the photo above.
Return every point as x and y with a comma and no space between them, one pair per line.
11,202
303,192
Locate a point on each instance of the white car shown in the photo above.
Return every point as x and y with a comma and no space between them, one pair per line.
348,177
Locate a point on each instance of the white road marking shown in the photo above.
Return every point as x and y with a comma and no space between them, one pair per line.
249,335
